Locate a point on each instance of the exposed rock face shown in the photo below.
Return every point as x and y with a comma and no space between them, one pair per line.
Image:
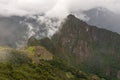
70,40
32,41
93,49
118,74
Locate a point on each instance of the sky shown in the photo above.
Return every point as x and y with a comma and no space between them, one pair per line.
53,8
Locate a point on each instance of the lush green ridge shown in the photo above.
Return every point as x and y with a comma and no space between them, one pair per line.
26,67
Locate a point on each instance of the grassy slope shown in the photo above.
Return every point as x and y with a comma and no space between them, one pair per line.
20,67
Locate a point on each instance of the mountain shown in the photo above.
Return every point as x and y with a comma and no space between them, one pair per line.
15,30
35,62
91,49
103,18
78,51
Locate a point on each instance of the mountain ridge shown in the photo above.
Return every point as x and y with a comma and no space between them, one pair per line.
87,47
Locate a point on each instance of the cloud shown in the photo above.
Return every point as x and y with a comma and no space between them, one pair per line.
53,8
25,7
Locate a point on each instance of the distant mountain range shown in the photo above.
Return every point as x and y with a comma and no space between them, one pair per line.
104,18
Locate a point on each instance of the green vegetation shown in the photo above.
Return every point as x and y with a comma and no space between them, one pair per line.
31,51
39,53
20,66
30,72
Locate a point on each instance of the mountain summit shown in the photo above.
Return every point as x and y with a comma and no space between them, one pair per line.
87,47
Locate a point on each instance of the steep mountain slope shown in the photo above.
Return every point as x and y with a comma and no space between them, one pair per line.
87,47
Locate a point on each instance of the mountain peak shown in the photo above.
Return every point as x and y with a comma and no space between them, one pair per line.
73,24
71,16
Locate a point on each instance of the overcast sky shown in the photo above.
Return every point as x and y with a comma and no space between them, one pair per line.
54,8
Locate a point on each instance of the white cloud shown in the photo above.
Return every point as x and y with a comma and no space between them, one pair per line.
25,7
54,8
